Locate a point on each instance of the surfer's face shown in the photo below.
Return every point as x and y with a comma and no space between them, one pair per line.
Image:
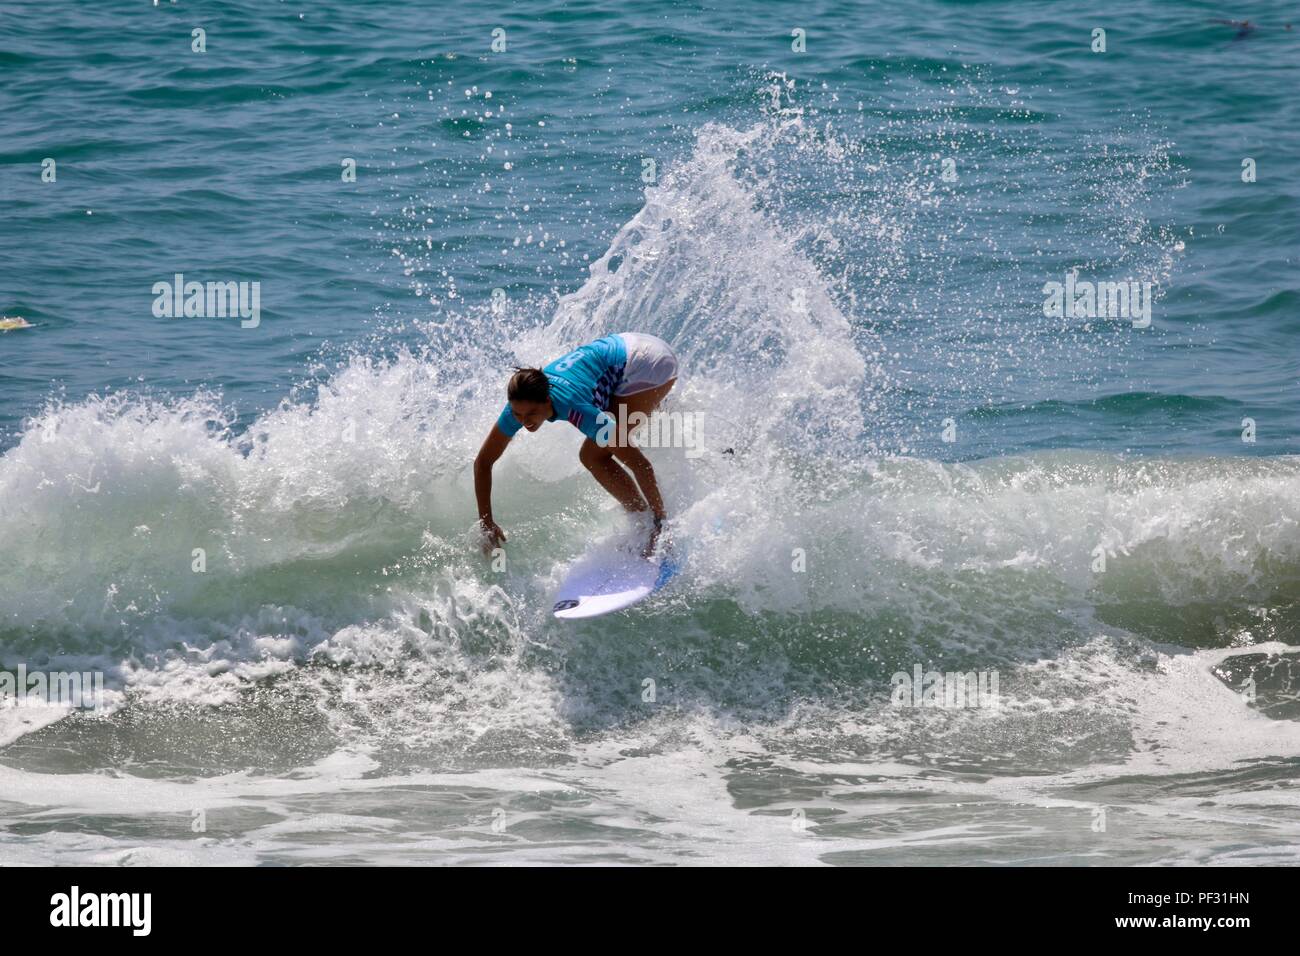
530,414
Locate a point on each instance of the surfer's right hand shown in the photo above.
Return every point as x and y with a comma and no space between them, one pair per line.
493,536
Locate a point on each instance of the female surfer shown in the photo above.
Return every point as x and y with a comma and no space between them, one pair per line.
596,388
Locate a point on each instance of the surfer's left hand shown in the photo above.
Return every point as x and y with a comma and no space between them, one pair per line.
490,535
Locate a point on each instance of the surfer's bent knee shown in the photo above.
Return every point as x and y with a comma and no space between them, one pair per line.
591,454
644,403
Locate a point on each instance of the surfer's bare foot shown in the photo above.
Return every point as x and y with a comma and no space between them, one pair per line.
656,528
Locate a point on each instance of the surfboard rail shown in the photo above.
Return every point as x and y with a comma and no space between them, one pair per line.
610,580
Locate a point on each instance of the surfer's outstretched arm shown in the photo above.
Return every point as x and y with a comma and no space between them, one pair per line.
493,447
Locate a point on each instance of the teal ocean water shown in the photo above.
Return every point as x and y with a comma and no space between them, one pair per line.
847,219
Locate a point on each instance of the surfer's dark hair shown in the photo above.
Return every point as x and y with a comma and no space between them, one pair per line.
528,385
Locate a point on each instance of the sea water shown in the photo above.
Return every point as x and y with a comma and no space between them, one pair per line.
851,222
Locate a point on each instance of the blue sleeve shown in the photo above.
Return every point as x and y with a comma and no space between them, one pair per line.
507,422
600,427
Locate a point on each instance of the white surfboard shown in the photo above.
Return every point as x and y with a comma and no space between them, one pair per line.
611,578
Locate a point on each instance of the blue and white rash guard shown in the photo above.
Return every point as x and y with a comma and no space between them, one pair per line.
582,386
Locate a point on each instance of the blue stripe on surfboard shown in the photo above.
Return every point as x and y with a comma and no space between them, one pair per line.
666,571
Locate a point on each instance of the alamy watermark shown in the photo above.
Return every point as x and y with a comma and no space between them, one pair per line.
1081,299
954,689
79,690
208,300
130,910
661,430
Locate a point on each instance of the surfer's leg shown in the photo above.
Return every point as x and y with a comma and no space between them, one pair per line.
611,475
644,402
